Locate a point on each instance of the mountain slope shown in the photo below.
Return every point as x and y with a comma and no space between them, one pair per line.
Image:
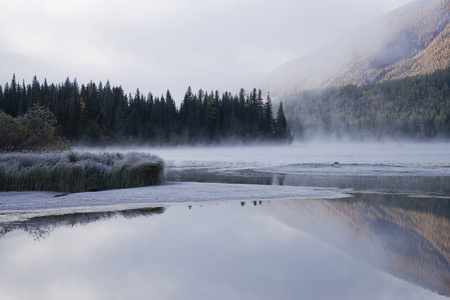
411,40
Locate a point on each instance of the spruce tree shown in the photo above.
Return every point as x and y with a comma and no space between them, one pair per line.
268,128
281,131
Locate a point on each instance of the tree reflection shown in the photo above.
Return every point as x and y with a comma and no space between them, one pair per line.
278,179
438,185
41,227
404,236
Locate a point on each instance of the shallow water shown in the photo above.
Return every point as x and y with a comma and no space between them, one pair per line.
378,228
388,167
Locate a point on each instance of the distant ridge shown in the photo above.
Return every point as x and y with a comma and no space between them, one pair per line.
411,40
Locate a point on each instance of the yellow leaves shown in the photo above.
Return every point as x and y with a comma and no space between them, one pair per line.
211,107
82,104
31,131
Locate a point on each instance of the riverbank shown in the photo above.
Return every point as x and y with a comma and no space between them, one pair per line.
70,171
16,206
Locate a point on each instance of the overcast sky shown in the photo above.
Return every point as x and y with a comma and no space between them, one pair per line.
158,45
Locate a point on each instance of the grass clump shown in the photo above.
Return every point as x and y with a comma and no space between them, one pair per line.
78,171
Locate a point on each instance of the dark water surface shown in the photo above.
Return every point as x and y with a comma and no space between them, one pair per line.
389,240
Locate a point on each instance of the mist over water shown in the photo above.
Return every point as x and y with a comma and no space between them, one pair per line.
366,220
346,165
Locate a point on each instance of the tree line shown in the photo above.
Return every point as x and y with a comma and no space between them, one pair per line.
104,114
414,107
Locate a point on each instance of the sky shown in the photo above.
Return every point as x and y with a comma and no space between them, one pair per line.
172,44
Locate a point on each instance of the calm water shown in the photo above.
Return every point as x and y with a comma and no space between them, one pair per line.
389,240
380,167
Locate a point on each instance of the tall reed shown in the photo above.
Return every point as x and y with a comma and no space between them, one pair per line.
78,171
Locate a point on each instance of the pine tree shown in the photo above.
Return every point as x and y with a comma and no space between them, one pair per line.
104,113
171,112
281,131
268,128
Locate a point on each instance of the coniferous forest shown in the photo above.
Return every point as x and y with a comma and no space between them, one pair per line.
413,107
99,114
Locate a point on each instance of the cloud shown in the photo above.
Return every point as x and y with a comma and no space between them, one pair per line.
172,44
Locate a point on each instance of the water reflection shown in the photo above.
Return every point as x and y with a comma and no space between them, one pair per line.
41,227
406,237
439,185
280,249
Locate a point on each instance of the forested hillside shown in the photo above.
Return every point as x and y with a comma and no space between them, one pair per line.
414,41
411,40
104,114
414,107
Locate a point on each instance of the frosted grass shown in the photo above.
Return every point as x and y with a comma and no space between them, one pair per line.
78,171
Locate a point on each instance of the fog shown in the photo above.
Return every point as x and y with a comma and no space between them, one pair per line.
378,50
354,217
157,45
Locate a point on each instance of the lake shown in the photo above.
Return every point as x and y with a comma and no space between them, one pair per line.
306,221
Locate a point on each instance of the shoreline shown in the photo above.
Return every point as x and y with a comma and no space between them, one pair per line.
15,206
